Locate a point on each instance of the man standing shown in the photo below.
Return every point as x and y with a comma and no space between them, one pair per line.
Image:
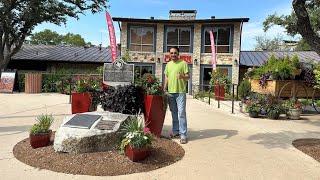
177,75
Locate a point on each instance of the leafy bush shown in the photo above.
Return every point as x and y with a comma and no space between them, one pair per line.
150,84
274,110
126,99
317,79
275,69
244,89
219,78
295,61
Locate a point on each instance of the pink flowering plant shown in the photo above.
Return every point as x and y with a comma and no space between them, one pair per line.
136,134
86,83
150,84
293,104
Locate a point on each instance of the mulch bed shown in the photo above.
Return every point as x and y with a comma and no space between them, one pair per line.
163,153
310,147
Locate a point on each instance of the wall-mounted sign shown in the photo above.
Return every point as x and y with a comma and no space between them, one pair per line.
186,58
7,81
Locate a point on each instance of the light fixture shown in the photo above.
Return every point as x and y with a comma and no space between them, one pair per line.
195,62
158,60
235,62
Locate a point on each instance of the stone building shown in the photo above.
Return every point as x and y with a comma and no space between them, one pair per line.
146,43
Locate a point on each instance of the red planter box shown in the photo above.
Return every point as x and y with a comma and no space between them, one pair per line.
40,140
137,154
219,95
154,114
80,103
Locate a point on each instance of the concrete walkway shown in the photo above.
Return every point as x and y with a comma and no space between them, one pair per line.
222,145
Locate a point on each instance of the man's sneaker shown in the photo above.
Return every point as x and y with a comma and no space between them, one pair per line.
183,141
174,136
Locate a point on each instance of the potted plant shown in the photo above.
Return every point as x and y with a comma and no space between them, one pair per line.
85,88
137,139
273,106
253,108
220,83
294,108
274,111
244,91
40,133
155,103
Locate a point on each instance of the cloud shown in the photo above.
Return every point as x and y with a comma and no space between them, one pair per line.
253,29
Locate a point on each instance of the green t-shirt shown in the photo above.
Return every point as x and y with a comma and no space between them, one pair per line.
176,85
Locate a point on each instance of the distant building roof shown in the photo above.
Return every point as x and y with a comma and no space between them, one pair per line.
257,58
63,53
181,21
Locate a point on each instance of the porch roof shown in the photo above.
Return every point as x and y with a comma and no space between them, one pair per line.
257,58
64,53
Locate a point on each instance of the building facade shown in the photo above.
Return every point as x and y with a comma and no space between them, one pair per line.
146,44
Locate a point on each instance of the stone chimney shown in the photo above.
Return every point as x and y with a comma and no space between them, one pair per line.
182,14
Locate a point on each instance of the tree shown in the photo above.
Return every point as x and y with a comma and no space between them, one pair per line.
303,20
265,43
53,38
73,39
46,37
303,46
19,17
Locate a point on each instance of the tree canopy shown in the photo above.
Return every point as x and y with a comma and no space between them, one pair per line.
304,20
19,17
265,43
49,37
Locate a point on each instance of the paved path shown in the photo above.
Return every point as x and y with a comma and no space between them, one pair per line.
222,145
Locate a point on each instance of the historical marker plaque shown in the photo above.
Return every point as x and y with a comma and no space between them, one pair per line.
118,73
106,125
84,121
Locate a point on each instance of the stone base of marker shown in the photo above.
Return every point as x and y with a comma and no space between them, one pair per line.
103,135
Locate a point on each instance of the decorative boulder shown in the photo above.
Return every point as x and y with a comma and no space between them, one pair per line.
90,132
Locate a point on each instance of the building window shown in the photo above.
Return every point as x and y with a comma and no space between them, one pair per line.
179,37
141,39
140,70
222,39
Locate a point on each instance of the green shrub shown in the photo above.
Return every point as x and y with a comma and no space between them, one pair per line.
126,99
295,61
244,89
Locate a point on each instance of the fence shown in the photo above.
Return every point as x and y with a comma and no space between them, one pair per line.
52,82
216,94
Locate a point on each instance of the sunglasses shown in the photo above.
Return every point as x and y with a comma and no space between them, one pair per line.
173,52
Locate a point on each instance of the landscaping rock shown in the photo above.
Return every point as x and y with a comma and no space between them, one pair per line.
103,135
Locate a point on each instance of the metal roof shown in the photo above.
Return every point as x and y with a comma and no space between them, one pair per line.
257,58
181,21
63,53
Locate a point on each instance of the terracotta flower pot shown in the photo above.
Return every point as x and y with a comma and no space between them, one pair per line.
40,140
135,154
219,92
81,102
154,114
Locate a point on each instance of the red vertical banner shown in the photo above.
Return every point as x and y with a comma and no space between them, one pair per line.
213,50
112,37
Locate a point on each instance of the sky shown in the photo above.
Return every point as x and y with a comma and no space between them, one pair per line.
93,27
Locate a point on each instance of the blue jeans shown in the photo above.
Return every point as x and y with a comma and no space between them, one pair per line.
177,104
